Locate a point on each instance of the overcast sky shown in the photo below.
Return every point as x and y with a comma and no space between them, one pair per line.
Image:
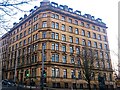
107,10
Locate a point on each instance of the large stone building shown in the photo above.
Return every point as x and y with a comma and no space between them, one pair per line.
63,33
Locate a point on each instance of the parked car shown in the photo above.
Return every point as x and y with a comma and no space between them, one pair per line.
6,83
12,82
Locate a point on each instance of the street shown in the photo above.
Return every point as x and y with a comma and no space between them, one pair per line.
20,87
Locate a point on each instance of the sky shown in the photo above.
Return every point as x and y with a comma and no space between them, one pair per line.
107,10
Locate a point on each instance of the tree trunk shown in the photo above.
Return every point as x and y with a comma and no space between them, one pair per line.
89,86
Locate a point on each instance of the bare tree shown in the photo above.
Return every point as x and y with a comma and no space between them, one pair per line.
88,60
8,9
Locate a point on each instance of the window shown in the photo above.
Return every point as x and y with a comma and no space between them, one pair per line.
77,40
57,25
102,64
63,37
104,75
24,33
106,55
79,63
53,35
77,50
108,65
44,24
16,37
70,29
83,32
63,27
17,30
24,42
35,37
97,64
65,73
72,74
36,26
104,31
57,36
64,59
34,58
20,35
29,30
76,31
35,18
71,39
100,45
55,72
44,15
98,29
110,77
63,18
95,44
105,38
21,27
56,16
81,86
63,48
79,75
30,22
44,46
101,54
34,72
20,43
76,22
72,60
55,57
105,46
96,54
89,43
66,85
94,35
53,24
53,15
16,45
88,34
93,27
82,24
29,39
29,49
83,42
87,25
70,20
35,47
99,37
71,49
43,34
55,46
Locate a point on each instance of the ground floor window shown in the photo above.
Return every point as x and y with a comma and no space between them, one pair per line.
56,85
74,85
66,85
81,86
